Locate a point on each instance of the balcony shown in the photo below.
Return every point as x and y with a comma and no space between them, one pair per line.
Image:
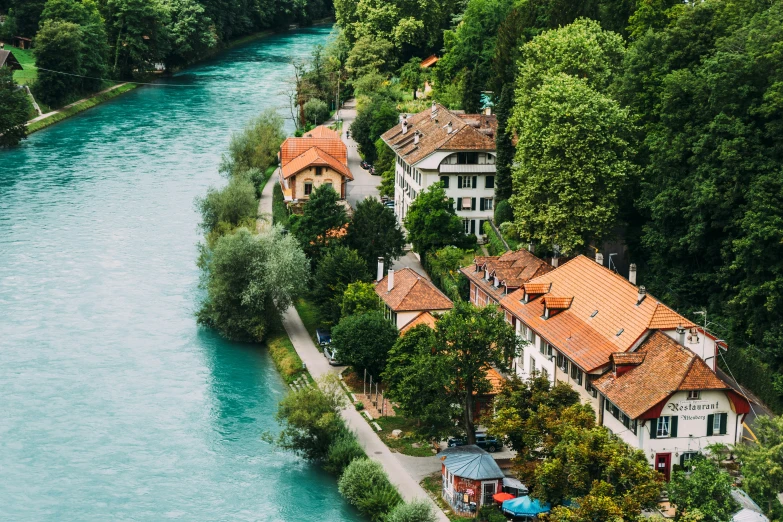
467,169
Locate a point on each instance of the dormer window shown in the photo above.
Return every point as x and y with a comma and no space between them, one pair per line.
694,395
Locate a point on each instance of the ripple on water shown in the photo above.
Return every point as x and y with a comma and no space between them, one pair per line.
115,406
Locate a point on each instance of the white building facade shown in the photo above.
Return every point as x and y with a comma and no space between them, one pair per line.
457,150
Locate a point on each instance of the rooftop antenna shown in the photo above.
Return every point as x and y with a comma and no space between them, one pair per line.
611,262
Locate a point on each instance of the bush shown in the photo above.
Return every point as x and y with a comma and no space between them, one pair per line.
343,450
508,230
359,406
365,485
256,147
495,246
279,209
503,212
340,267
490,514
257,178
316,111
232,206
416,511
360,298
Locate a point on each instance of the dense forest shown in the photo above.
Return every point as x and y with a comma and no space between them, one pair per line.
657,123
125,39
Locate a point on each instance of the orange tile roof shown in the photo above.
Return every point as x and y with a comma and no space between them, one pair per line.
512,269
557,303
322,131
411,292
433,134
423,318
603,318
628,357
429,62
537,288
293,147
495,380
667,368
664,318
312,157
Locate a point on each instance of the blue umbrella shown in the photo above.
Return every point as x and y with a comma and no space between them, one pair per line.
525,507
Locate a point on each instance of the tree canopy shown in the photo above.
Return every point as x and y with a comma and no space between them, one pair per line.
432,223
374,232
340,267
364,340
319,225
15,108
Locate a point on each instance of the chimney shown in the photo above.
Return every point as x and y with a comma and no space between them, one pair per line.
404,126
434,108
680,335
531,248
554,262
599,258
416,138
632,274
448,128
488,111
391,280
641,296
380,269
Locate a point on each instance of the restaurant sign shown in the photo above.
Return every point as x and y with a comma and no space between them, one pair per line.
689,406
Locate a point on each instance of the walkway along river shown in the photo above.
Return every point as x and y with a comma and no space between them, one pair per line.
113,404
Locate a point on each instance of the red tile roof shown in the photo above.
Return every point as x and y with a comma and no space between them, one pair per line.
603,318
433,134
557,303
411,292
293,147
314,157
667,368
322,132
429,62
512,270
628,357
423,318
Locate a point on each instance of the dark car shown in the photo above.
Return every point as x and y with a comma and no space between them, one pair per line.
323,336
483,441
365,165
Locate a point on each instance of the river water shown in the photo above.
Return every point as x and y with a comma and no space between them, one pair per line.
114,405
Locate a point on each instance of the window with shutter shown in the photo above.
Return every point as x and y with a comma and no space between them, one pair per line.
489,182
472,226
459,203
481,204
445,181
653,428
673,429
475,181
724,418
466,204
459,181
472,203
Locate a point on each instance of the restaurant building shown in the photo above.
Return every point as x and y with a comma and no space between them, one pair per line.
648,372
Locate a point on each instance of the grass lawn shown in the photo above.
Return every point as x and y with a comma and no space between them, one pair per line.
284,355
87,104
432,485
25,56
309,315
409,443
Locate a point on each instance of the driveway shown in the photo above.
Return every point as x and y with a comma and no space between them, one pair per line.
364,184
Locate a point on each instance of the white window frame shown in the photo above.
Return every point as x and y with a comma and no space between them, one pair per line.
488,203
716,423
694,395
664,427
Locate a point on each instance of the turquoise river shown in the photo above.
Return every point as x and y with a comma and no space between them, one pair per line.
114,405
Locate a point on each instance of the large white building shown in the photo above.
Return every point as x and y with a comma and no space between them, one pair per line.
455,149
648,372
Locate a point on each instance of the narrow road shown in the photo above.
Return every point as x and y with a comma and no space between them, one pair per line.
364,184
264,220
316,363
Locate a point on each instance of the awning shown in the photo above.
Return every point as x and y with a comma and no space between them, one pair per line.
502,497
525,507
509,482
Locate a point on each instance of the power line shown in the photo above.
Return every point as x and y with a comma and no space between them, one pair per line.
111,80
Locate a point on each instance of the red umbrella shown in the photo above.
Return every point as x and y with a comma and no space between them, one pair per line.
502,497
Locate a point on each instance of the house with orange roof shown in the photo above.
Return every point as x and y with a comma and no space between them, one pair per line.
492,277
457,150
663,399
582,321
317,158
407,295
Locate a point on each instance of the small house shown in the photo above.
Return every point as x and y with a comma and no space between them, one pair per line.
406,294
7,59
471,477
22,43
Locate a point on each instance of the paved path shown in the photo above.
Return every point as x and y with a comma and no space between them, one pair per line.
264,220
364,184
316,363
44,116
410,260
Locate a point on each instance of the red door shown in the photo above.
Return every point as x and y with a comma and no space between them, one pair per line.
663,463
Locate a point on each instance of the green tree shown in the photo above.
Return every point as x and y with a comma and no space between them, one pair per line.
321,215
762,465
418,380
573,162
256,146
26,15
432,223
360,298
504,147
443,266
385,165
316,111
192,33
223,210
311,420
469,340
471,92
371,121
374,232
249,280
370,54
15,108
340,267
58,48
364,341
411,75
138,32
706,488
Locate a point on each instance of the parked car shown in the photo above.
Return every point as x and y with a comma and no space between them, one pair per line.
323,336
483,441
365,165
372,171
331,356
389,203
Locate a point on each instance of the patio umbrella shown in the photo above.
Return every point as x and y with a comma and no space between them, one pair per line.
525,507
501,497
